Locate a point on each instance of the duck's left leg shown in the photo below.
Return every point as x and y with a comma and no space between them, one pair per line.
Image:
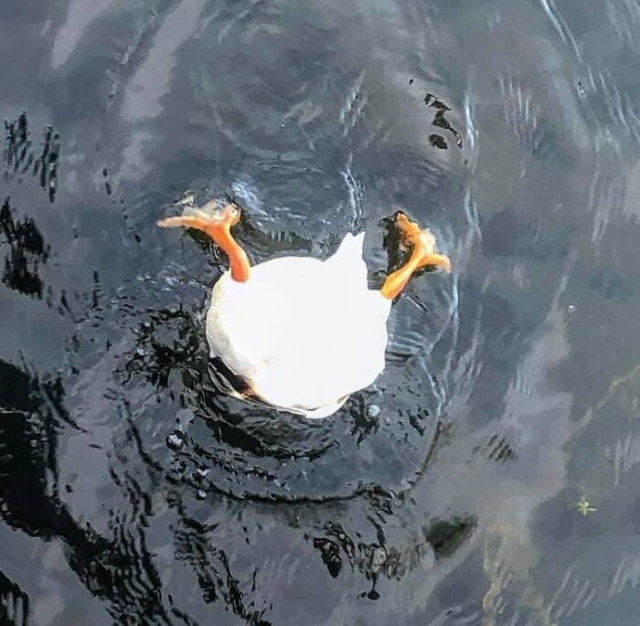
424,254
216,222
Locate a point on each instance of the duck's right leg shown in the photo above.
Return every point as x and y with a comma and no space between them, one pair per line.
424,254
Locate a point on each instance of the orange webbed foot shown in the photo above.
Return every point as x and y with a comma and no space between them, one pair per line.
424,254
216,222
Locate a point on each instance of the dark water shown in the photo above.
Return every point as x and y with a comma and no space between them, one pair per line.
131,493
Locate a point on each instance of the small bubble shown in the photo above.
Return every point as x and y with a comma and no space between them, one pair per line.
373,411
571,308
201,494
175,440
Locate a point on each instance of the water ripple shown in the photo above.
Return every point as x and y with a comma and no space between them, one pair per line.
561,27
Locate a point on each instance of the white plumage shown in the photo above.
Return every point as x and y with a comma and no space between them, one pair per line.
306,333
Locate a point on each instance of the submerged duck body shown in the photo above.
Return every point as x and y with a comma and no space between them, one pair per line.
301,333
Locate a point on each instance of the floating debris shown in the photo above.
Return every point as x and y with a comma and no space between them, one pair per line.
584,506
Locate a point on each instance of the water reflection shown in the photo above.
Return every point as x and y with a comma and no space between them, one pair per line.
14,603
20,158
26,251
113,558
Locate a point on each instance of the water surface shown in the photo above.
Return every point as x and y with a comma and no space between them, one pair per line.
446,494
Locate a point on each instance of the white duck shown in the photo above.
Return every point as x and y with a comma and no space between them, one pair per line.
298,333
